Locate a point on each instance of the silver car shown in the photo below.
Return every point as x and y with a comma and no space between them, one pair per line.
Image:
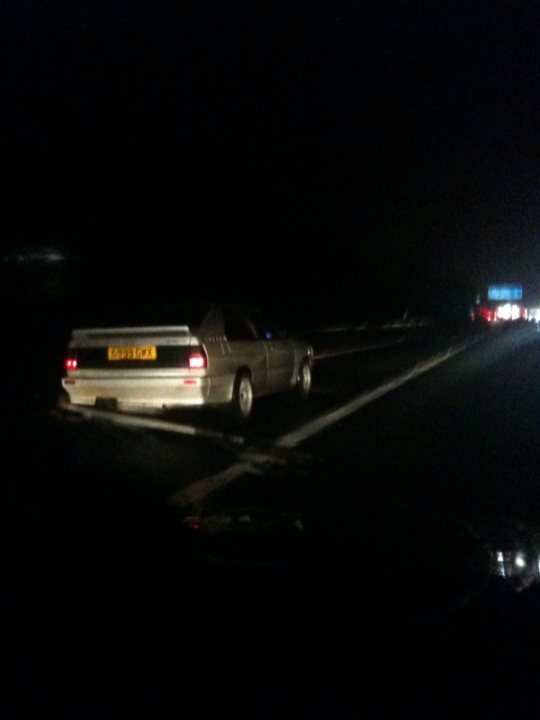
200,355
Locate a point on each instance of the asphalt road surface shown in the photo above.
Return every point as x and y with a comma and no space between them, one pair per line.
338,557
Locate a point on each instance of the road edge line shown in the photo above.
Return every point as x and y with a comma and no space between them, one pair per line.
200,489
148,423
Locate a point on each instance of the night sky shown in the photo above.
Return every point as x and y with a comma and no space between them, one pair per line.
346,154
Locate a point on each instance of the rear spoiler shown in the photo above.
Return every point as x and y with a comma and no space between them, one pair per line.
135,330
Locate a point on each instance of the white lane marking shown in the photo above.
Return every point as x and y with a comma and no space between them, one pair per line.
251,462
407,324
202,488
340,328
148,423
358,349
292,439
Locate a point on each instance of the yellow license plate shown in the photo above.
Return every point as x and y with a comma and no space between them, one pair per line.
148,352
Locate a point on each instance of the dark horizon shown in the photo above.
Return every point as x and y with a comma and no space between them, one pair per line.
384,154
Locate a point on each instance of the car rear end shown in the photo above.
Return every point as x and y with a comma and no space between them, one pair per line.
141,366
148,366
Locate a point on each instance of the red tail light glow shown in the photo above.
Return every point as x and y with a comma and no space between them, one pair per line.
197,360
71,363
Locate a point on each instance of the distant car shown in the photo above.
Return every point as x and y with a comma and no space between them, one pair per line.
187,356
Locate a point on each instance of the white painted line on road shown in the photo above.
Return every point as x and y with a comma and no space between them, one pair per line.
148,423
358,349
407,324
313,427
341,328
202,488
251,462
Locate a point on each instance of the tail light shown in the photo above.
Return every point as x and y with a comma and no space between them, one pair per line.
71,363
197,359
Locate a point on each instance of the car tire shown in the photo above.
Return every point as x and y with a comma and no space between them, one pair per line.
242,400
304,380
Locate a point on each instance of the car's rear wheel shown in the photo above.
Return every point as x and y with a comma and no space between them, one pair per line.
304,380
243,395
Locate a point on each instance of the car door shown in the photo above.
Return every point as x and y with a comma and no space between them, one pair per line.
280,363
280,353
246,348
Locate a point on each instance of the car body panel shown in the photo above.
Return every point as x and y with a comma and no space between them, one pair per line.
272,363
